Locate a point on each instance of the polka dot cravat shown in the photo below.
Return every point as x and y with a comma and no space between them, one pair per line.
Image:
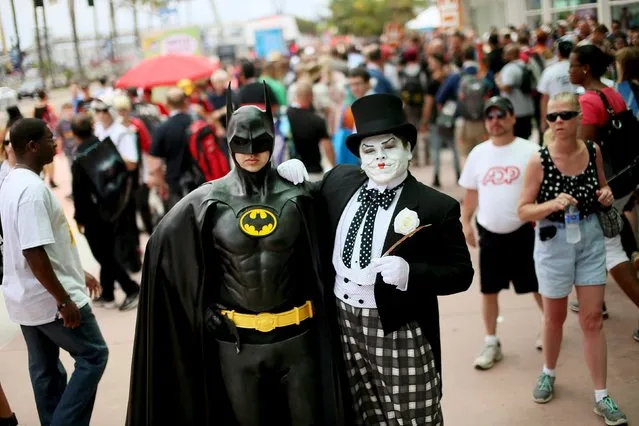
371,200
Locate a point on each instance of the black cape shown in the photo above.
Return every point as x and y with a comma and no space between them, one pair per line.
175,374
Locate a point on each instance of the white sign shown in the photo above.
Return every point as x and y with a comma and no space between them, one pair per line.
450,13
180,44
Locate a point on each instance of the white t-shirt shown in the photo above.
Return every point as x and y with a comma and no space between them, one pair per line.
512,75
123,140
555,80
32,217
497,173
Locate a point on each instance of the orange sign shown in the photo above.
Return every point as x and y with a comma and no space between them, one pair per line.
450,12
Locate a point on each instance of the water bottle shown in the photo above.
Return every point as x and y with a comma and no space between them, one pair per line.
573,233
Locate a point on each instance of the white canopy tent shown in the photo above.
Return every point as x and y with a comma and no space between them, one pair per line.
427,20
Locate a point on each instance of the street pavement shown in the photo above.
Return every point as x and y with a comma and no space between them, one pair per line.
498,397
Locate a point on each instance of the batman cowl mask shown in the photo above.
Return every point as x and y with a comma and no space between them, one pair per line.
250,130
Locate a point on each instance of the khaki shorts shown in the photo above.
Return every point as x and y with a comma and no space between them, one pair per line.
470,134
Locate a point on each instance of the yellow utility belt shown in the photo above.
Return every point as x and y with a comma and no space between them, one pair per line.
266,321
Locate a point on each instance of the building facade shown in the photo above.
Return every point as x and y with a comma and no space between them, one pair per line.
484,14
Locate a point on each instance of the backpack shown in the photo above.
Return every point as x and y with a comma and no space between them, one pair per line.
536,66
619,149
471,96
206,150
412,90
112,183
527,80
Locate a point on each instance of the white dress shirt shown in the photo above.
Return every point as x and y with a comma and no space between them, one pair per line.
356,286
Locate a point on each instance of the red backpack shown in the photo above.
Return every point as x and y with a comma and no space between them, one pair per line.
205,150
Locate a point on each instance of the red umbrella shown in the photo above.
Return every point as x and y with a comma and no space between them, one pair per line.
166,70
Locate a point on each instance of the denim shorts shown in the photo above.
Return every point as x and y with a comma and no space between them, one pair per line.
560,264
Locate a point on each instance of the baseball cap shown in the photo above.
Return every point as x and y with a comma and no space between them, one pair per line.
500,103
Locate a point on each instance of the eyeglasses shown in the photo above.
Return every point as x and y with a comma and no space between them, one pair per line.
564,115
496,114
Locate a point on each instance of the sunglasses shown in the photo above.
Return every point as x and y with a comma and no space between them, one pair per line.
496,114
564,115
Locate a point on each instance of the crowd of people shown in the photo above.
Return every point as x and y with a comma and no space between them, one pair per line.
320,115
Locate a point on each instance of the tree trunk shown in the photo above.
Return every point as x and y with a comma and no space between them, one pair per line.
136,23
39,46
114,33
15,25
76,41
47,45
98,48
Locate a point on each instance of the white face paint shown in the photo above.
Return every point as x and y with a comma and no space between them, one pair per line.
384,157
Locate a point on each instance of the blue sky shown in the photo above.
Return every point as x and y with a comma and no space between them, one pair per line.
199,10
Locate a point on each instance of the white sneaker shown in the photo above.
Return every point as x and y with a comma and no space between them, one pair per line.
489,355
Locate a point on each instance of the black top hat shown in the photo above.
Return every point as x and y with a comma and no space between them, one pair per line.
378,114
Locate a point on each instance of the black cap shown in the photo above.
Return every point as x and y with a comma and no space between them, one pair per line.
499,102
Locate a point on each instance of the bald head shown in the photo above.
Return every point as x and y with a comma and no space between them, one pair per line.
175,98
304,90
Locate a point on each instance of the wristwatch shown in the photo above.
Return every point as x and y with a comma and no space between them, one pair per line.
64,304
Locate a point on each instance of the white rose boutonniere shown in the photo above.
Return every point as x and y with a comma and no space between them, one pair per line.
406,221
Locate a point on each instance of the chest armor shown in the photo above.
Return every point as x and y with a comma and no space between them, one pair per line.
261,252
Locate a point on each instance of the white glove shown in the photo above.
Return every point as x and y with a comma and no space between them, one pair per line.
394,270
293,171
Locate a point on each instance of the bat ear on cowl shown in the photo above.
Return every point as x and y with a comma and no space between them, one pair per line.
229,103
267,106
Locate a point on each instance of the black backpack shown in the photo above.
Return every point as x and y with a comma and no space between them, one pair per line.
619,149
112,183
527,80
413,89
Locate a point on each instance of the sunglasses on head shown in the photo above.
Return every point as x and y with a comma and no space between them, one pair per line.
499,114
565,115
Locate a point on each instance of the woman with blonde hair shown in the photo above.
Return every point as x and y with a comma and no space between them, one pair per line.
567,175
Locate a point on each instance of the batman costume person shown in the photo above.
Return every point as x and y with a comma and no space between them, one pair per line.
232,324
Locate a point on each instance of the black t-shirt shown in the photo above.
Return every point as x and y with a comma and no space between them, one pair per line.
170,143
496,60
431,90
308,130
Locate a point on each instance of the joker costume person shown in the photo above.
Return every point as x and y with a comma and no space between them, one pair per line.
386,305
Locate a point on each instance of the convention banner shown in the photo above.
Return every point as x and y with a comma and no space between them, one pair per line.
179,41
269,40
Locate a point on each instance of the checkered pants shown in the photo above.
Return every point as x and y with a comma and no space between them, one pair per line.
393,379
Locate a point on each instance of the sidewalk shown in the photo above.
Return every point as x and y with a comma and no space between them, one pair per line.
498,397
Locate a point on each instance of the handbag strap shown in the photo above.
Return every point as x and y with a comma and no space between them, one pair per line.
604,99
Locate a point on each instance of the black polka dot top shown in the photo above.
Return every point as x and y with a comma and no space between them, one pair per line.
583,187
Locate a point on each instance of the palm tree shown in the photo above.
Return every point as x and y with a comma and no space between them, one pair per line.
76,40
15,24
136,24
114,31
47,45
38,44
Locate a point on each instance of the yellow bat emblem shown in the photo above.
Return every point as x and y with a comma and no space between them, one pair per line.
258,222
